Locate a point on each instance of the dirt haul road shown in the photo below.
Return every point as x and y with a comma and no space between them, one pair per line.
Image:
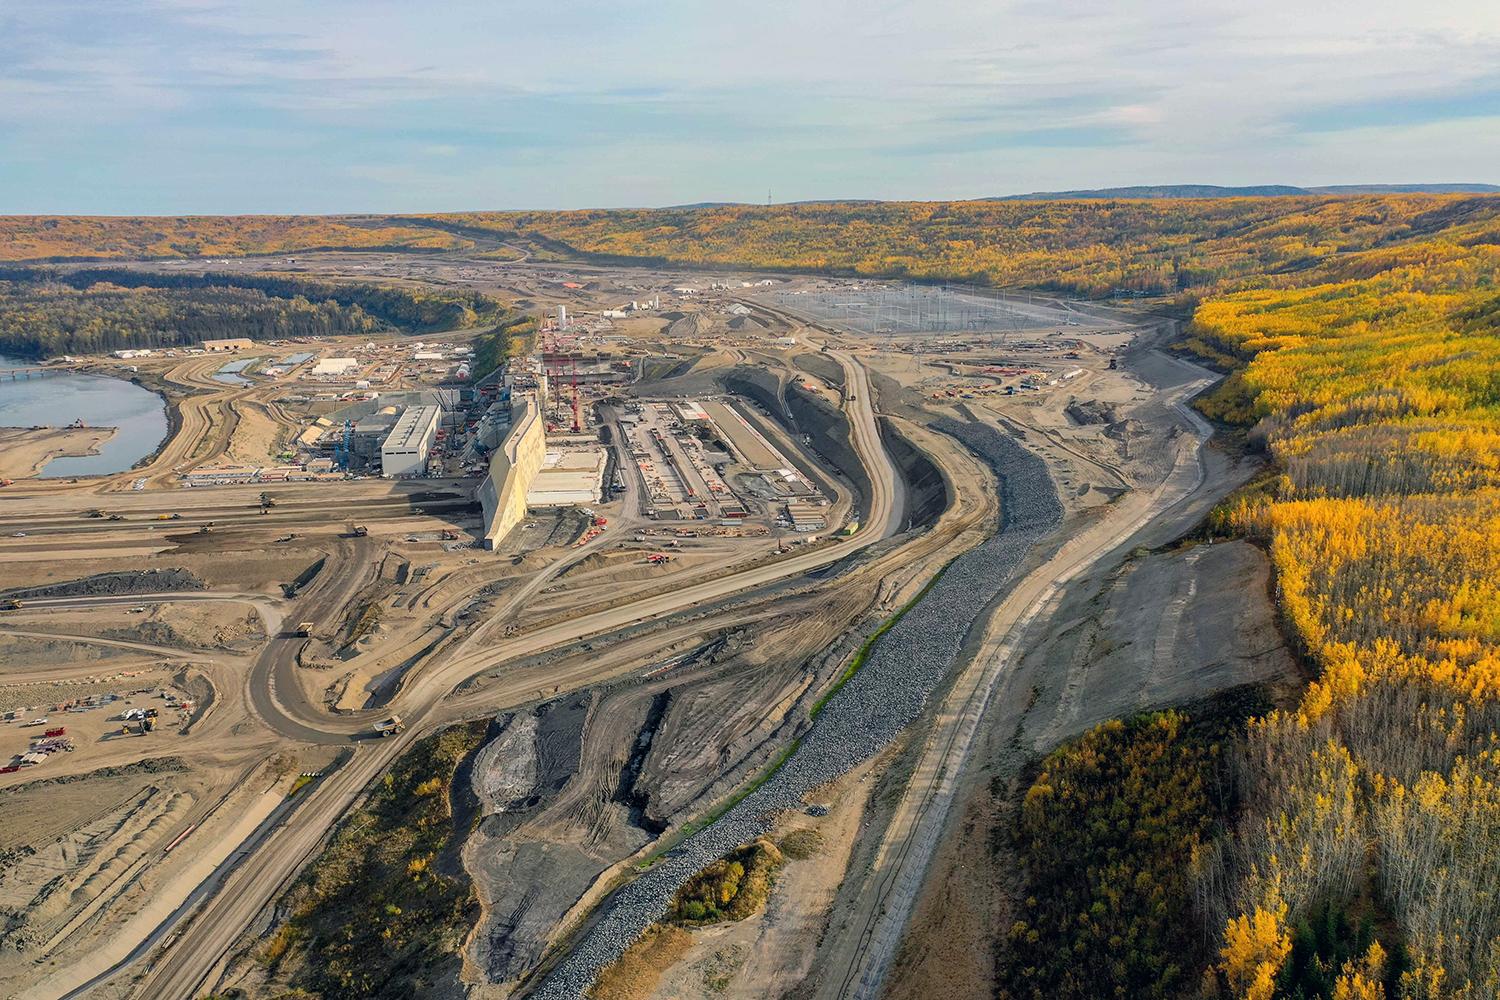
873,932
197,951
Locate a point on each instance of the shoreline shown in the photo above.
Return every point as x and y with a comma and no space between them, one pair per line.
89,368
170,400
26,451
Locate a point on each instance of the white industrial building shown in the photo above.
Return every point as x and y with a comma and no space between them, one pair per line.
404,451
334,366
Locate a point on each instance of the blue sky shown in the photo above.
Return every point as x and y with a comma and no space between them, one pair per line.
199,106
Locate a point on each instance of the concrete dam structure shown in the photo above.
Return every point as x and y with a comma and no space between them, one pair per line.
513,467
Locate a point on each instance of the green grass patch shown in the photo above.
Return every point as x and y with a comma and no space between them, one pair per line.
712,816
801,844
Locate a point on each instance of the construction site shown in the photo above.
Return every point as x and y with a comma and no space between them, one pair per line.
631,569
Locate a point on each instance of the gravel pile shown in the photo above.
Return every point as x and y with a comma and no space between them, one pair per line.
145,581
889,691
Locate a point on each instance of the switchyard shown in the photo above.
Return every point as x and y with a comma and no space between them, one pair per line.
886,309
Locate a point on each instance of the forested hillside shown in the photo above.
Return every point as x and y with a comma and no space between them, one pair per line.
1375,380
1159,247
41,237
46,312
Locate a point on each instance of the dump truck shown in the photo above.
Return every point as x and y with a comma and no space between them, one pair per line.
304,629
10,604
358,531
389,727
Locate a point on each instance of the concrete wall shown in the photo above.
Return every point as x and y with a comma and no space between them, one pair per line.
513,467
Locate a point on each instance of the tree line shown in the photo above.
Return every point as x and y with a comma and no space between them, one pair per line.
45,311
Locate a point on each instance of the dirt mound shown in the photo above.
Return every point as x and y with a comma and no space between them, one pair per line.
603,560
19,652
1092,411
201,627
1124,430
821,366
685,328
152,765
146,581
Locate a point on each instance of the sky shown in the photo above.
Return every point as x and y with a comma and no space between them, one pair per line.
328,106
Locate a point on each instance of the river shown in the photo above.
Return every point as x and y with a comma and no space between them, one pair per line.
139,416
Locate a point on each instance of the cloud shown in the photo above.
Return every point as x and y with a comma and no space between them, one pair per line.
224,105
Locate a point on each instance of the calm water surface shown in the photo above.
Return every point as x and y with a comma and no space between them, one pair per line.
57,400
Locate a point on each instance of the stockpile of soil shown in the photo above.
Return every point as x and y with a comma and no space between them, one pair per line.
1092,411
822,366
146,581
829,431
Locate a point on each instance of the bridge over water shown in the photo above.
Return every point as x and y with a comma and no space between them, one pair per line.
15,374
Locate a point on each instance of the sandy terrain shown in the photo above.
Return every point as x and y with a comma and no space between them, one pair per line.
169,882
256,436
24,450
89,695
228,625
